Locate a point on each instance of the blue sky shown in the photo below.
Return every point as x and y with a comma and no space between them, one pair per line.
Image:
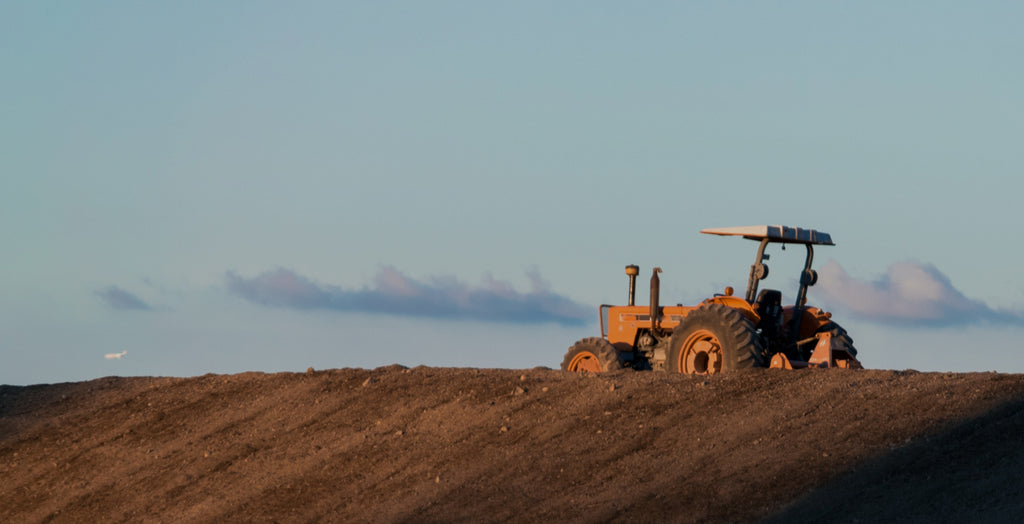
231,186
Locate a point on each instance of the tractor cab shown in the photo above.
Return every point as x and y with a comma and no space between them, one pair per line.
768,304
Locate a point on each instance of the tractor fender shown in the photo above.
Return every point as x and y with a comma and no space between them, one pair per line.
811,320
738,304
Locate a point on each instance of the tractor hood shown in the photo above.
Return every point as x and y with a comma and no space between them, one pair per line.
783,234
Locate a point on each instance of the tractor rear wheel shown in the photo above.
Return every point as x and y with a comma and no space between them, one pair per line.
714,338
593,354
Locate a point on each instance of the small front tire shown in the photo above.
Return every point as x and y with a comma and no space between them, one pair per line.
592,354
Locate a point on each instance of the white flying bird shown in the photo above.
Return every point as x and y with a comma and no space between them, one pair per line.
114,356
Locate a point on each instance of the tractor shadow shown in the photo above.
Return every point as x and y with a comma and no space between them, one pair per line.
971,472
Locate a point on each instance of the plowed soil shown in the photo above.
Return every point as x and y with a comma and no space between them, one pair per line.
471,445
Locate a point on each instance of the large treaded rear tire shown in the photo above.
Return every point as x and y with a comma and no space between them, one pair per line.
712,339
593,354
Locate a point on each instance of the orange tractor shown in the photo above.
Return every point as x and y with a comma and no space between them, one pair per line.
724,332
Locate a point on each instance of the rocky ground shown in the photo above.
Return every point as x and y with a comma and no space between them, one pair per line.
469,445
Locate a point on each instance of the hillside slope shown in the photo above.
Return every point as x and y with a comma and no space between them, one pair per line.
465,445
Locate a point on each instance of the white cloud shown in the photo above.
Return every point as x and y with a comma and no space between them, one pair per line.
910,293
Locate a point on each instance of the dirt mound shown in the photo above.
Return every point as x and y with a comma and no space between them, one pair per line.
441,444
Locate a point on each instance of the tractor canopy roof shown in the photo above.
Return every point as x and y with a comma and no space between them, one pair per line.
783,234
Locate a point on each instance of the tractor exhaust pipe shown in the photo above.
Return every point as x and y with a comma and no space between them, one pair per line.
655,291
632,271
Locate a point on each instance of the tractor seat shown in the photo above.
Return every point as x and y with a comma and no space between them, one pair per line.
769,307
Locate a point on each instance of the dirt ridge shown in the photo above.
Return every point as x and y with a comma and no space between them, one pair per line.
395,444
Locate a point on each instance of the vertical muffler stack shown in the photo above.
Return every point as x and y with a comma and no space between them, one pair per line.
655,291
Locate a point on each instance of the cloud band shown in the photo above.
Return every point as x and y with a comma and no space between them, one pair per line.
117,298
395,293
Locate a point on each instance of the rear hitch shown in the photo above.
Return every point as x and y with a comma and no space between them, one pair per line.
825,355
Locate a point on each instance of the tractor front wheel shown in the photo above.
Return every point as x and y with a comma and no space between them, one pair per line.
714,338
593,354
